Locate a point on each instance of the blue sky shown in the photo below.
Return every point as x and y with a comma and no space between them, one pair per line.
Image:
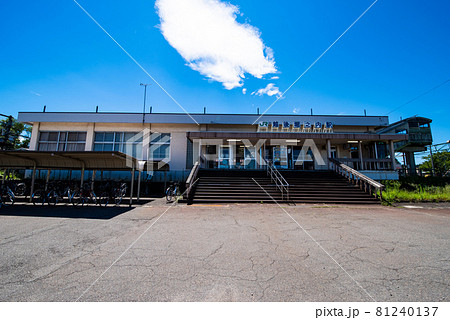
53,54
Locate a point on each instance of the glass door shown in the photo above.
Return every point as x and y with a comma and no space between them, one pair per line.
250,157
224,157
280,157
239,157
302,160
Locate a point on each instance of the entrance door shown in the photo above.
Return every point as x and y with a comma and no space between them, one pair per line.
224,157
302,160
239,157
250,157
280,157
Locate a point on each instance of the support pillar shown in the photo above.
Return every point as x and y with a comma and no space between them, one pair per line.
93,179
361,161
377,167
132,186
411,163
139,186
328,152
200,161
33,178
47,179
264,160
82,177
392,152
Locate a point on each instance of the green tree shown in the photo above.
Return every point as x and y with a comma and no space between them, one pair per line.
441,161
14,134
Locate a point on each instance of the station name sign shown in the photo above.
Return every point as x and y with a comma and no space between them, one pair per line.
296,126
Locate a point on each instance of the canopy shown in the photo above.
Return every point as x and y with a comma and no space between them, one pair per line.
88,160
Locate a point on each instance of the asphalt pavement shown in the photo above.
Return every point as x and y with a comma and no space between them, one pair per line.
231,252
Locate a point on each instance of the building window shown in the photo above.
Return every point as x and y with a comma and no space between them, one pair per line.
127,142
211,149
62,141
159,146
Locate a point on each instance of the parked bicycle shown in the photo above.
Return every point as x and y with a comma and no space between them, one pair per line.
19,188
7,197
173,191
42,196
65,191
113,195
84,196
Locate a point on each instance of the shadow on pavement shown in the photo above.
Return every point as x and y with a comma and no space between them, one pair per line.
65,211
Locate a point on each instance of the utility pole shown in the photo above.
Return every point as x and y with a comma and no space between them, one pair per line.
145,97
432,161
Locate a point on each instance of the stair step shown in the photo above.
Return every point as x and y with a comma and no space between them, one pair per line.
271,201
304,187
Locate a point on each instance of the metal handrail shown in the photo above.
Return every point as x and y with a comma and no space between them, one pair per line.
279,180
192,178
357,178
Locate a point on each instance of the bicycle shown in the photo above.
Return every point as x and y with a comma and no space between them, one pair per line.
115,195
41,197
19,188
172,191
7,197
68,192
84,195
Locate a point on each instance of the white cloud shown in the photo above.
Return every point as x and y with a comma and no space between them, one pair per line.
270,90
206,34
275,78
296,110
35,93
244,90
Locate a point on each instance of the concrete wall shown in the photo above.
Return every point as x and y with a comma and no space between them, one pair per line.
178,150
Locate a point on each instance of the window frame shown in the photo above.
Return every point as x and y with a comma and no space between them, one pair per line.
118,142
64,142
158,142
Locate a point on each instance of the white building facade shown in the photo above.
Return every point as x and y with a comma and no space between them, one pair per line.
172,143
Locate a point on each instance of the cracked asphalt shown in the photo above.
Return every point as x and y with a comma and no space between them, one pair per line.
248,252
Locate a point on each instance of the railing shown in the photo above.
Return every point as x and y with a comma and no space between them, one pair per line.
279,180
192,179
357,178
367,163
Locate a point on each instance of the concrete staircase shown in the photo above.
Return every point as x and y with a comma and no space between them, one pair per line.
324,187
230,186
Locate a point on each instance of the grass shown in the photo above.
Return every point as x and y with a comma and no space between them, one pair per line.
417,189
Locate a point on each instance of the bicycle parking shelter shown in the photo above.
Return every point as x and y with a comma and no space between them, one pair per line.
79,160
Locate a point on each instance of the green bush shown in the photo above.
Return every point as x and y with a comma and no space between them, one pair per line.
417,189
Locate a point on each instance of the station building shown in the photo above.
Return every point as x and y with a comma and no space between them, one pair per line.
168,144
